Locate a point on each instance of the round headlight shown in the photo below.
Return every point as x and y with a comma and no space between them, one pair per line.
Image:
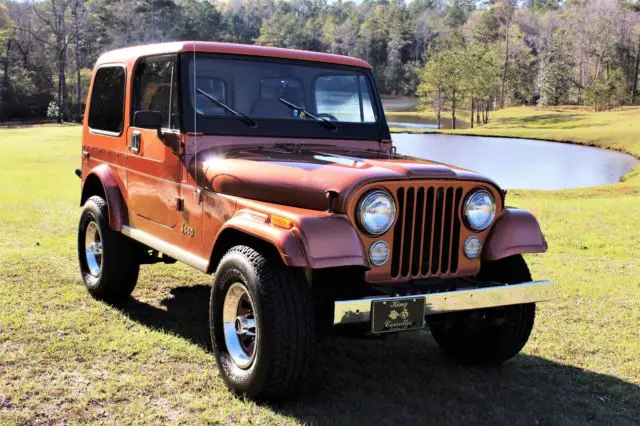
480,209
379,253
472,247
376,212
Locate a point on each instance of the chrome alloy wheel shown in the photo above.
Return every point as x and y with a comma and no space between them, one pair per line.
93,249
239,325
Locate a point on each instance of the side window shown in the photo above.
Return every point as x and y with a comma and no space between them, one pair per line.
156,89
106,112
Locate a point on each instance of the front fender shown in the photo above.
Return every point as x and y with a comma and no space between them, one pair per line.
515,232
102,175
316,240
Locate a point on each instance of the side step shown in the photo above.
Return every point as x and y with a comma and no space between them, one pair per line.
166,248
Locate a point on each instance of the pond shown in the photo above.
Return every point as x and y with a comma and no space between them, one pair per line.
521,163
394,104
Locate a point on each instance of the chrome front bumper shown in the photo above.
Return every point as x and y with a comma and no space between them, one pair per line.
359,310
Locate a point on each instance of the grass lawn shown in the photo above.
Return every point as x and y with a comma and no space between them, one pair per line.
67,358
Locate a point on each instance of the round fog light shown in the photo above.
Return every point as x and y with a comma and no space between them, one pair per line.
379,253
472,247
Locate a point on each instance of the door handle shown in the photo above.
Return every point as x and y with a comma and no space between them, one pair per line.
135,142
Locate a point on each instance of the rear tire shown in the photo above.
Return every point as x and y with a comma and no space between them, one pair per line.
488,336
109,261
261,296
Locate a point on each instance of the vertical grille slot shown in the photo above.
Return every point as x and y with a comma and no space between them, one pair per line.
397,235
426,238
455,238
447,231
418,233
437,231
407,237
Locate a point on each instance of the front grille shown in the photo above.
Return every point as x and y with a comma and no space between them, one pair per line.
426,237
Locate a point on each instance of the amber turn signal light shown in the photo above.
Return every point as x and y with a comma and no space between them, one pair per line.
281,222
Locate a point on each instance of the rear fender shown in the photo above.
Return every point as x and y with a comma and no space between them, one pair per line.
515,232
111,188
315,241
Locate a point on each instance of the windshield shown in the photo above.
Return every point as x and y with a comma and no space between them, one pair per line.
269,90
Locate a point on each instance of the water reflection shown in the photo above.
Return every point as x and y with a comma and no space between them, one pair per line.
521,163
395,104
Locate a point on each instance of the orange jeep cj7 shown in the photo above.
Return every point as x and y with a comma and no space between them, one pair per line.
275,170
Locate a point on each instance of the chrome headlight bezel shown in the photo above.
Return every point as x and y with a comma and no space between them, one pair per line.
360,212
492,213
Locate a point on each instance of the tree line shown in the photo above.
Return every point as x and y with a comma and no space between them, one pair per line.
583,52
454,54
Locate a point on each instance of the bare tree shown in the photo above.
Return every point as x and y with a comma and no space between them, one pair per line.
54,14
508,8
78,19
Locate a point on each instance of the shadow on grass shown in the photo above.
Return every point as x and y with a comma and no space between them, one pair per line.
407,381
185,313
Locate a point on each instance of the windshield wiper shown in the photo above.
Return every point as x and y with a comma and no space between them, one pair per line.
326,123
245,118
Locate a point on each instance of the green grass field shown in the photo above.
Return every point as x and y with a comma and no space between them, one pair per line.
65,358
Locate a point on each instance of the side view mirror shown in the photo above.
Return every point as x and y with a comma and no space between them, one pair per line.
148,120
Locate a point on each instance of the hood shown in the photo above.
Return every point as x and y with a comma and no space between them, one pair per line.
301,177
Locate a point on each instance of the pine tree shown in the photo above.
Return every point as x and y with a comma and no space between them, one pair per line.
555,73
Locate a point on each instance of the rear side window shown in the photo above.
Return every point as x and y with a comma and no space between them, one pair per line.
106,112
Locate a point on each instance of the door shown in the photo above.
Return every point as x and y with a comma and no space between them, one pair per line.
154,167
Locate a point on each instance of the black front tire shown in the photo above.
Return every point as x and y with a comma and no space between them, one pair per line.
112,275
283,313
488,336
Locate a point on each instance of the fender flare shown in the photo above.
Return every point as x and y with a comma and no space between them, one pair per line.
515,232
314,242
111,187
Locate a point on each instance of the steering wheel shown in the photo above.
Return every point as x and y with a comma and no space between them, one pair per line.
329,116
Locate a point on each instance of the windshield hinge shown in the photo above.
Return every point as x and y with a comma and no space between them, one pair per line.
332,196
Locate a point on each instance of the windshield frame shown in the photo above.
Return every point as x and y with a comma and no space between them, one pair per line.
227,125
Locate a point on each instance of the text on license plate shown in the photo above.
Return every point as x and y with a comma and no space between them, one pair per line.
398,314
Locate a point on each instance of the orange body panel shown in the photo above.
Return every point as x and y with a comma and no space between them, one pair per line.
516,231
131,54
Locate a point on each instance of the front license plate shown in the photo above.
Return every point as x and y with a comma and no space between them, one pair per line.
401,314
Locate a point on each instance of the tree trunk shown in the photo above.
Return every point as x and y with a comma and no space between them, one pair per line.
634,88
78,64
472,103
439,107
486,112
5,66
478,113
581,77
506,63
453,109
62,91
78,91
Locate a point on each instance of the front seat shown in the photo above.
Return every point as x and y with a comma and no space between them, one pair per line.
268,104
